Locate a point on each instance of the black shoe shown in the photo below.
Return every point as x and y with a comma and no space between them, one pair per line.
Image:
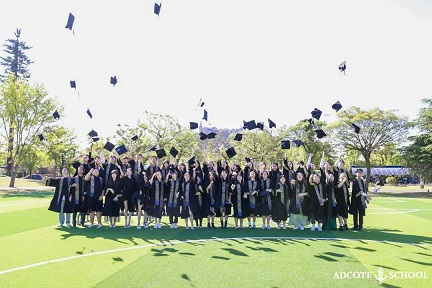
226,223
346,227
341,228
213,226
208,225
360,228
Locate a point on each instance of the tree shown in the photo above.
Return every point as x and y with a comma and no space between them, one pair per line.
378,129
15,63
26,109
418,154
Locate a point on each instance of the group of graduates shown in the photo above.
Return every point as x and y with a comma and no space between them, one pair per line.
301,195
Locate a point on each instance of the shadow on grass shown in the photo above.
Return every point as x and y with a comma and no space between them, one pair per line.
235,252
220,257
186,277
32,194
365,249
323,257
265,249
335,254
117,259
417,262
386,267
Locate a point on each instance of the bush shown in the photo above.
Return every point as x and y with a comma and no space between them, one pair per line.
19,174
391,180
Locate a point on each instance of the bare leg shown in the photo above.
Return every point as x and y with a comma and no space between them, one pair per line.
126,212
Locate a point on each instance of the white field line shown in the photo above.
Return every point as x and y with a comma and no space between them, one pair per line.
193,241
25,203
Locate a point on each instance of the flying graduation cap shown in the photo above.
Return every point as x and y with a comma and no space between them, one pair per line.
173,152
205,115
41,137
316,113
89,113
260,125
356,129
204,136
249,125
109,146
238,137
70,22
337,106
154,148
285,144
134,138
298,143
113,80
121,150
157,8
193,125
94,135
320,133
56,115
73,84
161,153
271,124
231,152
342,67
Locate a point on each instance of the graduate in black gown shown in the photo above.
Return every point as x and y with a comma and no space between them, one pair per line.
223,198
253,188
330,200
209,198
87,160
188,194
142,200
112,198
173,198
288,170
265,199
61,202
281,202
316,197
94,196
240,207
128,188
274,175
299,202
77,191
156,202
359,200
342,201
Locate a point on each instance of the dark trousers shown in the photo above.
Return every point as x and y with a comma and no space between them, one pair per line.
74,218
173,219
358,219
198,222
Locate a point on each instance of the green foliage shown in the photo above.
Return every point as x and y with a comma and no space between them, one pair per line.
391,180
17,61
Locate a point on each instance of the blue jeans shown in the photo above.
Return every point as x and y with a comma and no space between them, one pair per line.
62,214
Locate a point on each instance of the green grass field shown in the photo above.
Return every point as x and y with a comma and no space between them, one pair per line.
35,253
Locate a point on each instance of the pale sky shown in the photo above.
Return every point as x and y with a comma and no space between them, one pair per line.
247,59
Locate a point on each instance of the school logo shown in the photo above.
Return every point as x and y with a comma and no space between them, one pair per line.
381,275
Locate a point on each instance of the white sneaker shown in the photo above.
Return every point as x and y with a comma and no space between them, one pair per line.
263,226
250,226
110,226
145,226
187,227
90,225
284,226
68,225
313,227
296,228
155,226
59,225
278,226
269,227
319,227
138,226
175,225
192,228
301,227
159,225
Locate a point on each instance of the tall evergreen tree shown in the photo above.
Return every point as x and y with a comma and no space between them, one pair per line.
15,63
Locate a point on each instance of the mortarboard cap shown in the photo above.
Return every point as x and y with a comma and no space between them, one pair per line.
320,133
356,128
56,115
231,152
250,125
337,106
161,153
238,137
95,139
342,67
89,113
260,125
70,21
285,144
157,8
211,135
203,136
113,80
316,113
201,103
271,124
298,143
121,149
41,137
191,161
173,152
153,148
93,133
109,146
205,115
73,84
134,138
193,125
247,159
311,121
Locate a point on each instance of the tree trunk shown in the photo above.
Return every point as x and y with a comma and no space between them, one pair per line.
10,150
368,171
13,175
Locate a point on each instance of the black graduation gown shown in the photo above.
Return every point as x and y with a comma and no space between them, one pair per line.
223,201
209,197
62,190
342,199
173,202
128,191
108,168
241,207
355,202
330,204
92,195
252,200
144,188
111,207
265,198
86,166
303,202
280,203
156,201
188,191
79,205
315,207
